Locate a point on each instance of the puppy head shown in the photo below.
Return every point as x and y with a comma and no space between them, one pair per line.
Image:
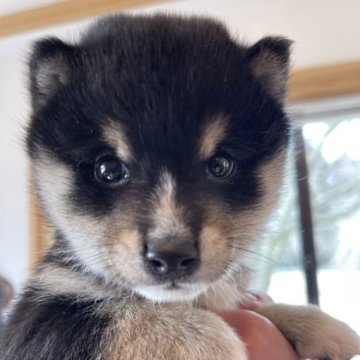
157,145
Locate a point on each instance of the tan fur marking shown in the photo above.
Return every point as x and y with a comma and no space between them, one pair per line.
163,332
213,133
225,240
271,176
62,281
123,243
168,216
114,134
109,246
211,244
221,265
54,182
272,72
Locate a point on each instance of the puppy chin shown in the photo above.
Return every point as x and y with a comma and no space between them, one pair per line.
169,293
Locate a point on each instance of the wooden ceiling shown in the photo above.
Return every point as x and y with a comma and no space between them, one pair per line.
325,81
62,12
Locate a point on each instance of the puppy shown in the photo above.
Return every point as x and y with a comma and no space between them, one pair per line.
157,145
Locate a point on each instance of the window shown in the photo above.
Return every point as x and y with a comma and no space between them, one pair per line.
332,149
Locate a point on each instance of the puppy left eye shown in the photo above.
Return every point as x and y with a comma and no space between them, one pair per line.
220,166
109,170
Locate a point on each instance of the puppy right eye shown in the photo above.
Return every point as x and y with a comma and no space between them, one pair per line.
109,170
220,166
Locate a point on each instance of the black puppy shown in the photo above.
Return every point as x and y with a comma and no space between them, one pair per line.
157,145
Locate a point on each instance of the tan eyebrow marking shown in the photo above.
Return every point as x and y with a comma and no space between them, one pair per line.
212,134
114,135
168,216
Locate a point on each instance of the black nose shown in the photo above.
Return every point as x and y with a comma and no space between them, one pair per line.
171,261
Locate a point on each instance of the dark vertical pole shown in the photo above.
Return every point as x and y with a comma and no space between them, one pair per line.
306,223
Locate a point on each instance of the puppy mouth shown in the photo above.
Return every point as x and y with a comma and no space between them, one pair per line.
174,285
172,291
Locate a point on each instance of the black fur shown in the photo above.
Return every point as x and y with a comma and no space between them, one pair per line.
56,328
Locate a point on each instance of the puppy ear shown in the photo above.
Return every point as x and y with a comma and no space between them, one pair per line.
269,62
50,69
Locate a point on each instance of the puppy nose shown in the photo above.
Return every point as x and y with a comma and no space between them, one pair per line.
172,261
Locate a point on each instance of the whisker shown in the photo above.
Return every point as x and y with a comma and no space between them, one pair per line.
256,254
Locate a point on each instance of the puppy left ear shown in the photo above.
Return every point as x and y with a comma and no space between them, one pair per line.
50,69
269,62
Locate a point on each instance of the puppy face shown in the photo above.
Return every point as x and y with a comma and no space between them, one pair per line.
157,145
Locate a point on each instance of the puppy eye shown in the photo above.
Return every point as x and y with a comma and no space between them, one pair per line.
220,166
111,171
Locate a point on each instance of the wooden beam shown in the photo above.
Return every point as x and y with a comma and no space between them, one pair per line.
39,230
326,81
62,12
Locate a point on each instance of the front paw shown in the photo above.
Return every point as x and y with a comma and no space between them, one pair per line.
314,334
326,338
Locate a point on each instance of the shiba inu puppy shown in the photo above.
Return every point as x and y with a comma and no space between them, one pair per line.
157,145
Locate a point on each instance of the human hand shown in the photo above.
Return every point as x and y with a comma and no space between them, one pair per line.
263,340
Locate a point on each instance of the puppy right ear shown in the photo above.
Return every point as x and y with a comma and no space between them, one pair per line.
50,69
269,62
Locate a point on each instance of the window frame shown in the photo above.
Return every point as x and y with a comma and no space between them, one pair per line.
320,83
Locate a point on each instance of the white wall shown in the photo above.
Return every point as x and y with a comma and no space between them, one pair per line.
13,216
324,31
14,113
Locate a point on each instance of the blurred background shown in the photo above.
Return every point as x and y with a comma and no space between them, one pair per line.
310,251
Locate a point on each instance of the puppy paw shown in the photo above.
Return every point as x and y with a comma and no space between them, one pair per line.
314,334
324,337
